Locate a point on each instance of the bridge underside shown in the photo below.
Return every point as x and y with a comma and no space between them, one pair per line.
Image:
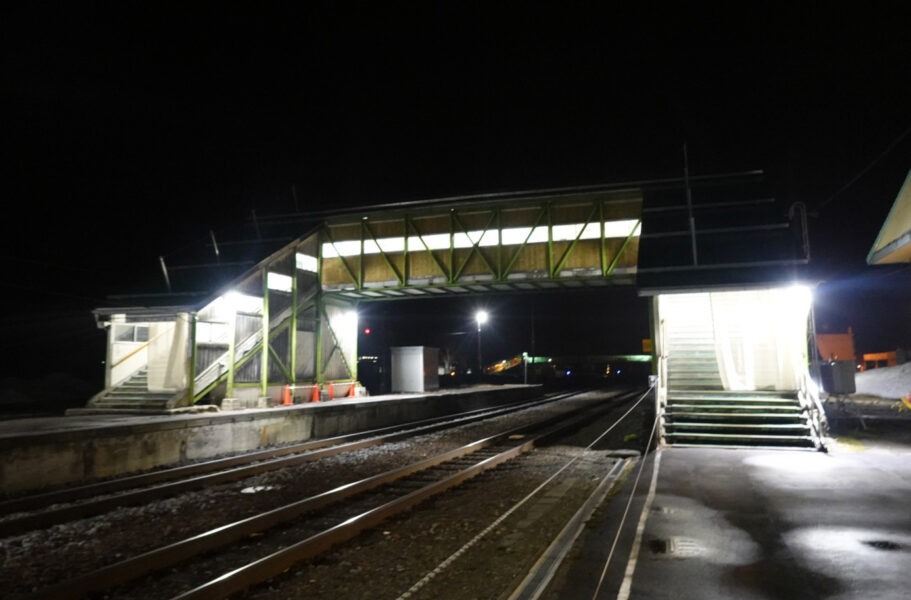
291,320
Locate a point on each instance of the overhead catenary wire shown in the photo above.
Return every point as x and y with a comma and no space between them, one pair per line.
895,142
629,503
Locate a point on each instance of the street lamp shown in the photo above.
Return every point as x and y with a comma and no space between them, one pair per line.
481,318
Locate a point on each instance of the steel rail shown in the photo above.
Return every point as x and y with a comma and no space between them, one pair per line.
278,562
192,479
40,500
167,556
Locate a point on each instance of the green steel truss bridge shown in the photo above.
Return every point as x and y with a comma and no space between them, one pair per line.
261,324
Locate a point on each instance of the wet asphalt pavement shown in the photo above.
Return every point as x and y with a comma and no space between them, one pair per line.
760,524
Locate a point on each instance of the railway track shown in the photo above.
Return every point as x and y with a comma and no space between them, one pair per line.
60,506
301,530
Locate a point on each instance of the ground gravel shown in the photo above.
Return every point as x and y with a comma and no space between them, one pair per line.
35,560
389,561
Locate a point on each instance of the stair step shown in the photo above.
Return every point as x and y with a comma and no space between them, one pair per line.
743,417
695,427
729,400
746,440
147,405
757,393
733,446
121,392
137,398
772,408
698,387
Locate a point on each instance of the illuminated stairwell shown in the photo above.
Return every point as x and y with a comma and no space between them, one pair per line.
700,412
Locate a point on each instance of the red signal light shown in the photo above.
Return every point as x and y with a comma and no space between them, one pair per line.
366,331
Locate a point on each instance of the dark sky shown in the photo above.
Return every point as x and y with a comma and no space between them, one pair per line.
129,133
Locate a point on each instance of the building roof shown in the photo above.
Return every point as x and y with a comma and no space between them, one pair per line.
893,244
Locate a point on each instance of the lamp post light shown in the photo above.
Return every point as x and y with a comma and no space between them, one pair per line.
525,367
481,318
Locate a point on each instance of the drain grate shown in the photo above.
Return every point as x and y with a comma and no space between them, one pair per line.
675,547
884,545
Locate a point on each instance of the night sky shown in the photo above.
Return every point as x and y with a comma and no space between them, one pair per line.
130,133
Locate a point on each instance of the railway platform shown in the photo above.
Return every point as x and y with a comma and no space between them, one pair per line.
44,452
755,524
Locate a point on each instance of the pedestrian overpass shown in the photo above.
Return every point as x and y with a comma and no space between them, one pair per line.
289,318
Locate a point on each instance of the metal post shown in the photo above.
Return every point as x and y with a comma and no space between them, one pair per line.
652,330
292,336
603,247
480,368
232,334
264,359
550,242
319,337
361,267
689,204
192,366
451,277
318,304
107,356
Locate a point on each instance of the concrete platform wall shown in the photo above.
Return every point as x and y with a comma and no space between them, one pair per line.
32,461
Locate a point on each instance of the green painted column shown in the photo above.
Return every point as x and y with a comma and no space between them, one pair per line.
319,337
232,333
264,364
192,366
292,336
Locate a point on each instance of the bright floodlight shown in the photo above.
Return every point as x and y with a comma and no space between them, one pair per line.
481,317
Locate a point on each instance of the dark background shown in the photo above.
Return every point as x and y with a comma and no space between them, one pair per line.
129,132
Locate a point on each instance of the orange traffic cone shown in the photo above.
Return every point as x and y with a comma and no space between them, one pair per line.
331,395
351,389
315,393
286,400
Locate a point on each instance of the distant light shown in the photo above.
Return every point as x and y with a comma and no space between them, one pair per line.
569,372
366,331
481,317
452,373
619,371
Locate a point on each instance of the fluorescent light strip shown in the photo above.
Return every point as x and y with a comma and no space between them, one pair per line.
511,236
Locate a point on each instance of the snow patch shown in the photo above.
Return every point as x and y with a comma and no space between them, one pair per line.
886,382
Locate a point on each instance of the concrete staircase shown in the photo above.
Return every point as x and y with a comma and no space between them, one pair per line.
134,394
699,412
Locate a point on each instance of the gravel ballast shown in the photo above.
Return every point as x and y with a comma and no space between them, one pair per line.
38,559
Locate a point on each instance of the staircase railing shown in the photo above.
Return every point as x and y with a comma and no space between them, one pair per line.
219,366
661,387
816,414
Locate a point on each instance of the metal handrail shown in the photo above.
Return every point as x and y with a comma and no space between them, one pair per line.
141,347
816,414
